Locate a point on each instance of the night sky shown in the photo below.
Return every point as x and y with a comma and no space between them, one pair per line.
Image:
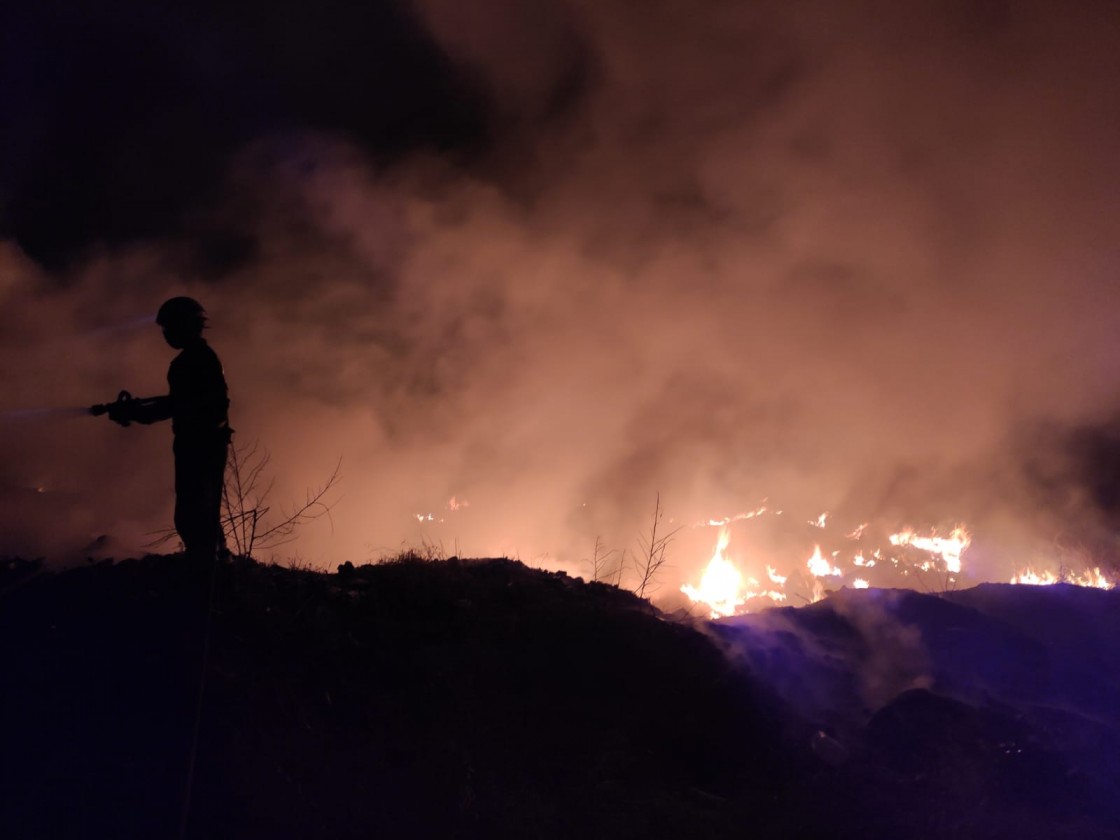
549,259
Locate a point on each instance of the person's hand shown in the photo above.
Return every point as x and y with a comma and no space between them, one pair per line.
120,412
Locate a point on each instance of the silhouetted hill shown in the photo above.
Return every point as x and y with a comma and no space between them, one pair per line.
992,712
411,699
486,699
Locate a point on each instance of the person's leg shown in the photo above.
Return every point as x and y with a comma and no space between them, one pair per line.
199,474
210,514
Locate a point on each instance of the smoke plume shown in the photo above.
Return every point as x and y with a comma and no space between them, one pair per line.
839,257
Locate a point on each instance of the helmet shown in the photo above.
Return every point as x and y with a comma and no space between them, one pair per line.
181,311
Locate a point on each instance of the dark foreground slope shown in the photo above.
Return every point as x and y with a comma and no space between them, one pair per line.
485,699
454,699
992,712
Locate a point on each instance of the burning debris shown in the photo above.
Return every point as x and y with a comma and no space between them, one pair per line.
1093,578
819,567
739,517
904,558
949,549
454,505
724,589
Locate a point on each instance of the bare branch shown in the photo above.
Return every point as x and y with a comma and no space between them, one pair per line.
619,570
245,512
314,507
653,554
600,560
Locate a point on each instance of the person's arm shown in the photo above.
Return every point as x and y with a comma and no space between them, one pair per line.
128,409
148,410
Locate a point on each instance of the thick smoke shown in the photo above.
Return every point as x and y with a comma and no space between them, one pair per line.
842,258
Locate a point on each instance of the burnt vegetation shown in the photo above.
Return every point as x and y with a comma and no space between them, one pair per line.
470,698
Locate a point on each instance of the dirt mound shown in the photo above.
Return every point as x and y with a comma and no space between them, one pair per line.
484,699
411,699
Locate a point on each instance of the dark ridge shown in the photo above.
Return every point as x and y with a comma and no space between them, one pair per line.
485,699
409,699
991,712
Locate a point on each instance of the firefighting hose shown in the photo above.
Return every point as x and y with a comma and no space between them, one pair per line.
124,409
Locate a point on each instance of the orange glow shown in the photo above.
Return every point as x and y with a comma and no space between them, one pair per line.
819,567
723,589
1093,578
727,587
818,592
949,549
721,586
739,517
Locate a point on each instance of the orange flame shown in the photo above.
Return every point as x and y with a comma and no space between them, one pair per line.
723,589
721,585
819,567
1090,577
948,548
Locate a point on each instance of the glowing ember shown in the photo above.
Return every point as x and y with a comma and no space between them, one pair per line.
821,521
1033,578
860,583
949,549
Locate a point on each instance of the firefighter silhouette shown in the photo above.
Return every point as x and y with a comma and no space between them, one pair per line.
197,403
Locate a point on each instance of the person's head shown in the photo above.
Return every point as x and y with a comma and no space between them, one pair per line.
182,320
